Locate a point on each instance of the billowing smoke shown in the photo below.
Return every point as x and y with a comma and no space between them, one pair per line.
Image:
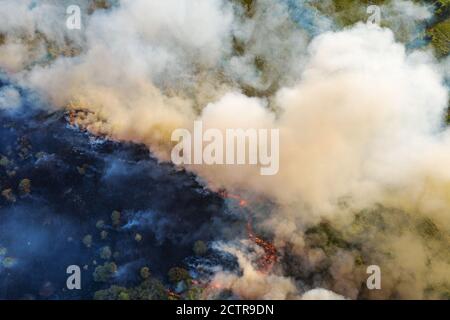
253,284
363,127
9,98
363,145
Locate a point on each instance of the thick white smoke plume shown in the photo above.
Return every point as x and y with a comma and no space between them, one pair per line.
364,122
360,119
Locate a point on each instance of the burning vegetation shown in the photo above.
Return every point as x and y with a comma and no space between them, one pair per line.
270,257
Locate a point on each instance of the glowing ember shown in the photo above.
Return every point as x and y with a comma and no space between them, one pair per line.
266,262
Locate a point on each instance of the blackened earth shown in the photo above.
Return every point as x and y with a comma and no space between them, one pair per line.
76,181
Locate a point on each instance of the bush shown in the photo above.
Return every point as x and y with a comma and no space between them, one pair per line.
115,218
178,274
25,186
100,224
8,195
105,253
87,240
150,289
105,272
145,273
112,293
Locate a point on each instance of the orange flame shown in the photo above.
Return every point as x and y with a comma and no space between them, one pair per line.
266,262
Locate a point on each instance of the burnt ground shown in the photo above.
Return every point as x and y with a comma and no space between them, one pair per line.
77,180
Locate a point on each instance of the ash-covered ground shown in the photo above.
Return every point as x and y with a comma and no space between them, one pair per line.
69,198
